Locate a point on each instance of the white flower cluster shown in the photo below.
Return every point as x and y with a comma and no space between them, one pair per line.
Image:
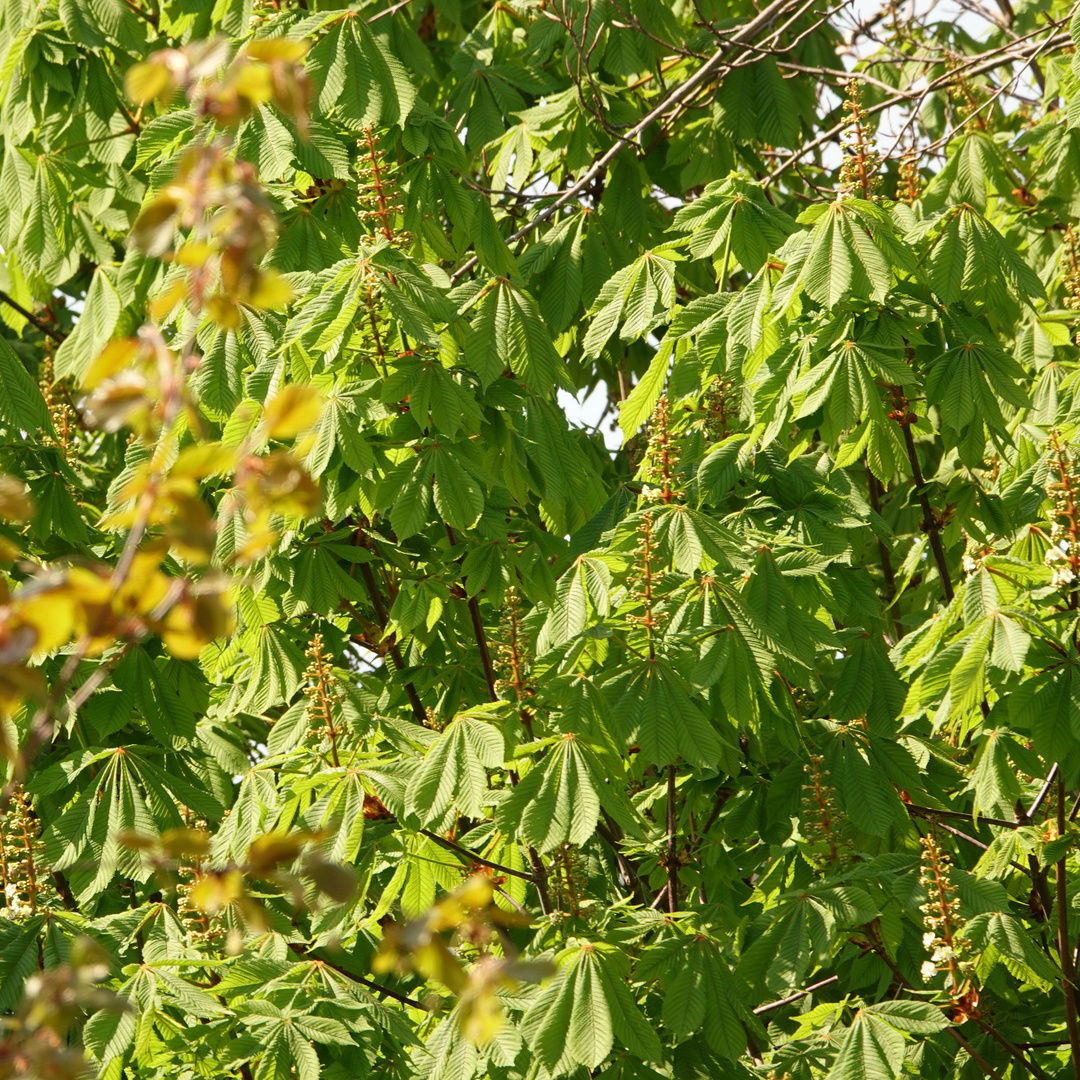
1057,556
17,907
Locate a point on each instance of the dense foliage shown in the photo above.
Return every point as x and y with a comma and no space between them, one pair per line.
361,714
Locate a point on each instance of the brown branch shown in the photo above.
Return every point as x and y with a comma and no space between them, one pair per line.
472,857
63,890
918,812
930,525
1065,958
49,331
1025,816
419,712
977,65
876,491
540,880
306,954
795,997
477,625
672,844
932,811
611,834
711,68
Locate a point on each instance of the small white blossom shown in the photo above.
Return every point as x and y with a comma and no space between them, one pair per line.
16,906
928,939
1063,575
928,970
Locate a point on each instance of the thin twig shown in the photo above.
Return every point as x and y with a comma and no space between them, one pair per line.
707,70
795,997
472,857
930,524
477,625
1065,958
30,317
672,843
1028,815
306,954
932,811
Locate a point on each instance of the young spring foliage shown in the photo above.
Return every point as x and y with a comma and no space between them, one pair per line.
363,714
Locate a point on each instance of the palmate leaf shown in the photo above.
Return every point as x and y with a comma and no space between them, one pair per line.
852,251
997,788
733,213
18,957
756,102
638,297
973,376
22,408
654,709
976,167
434,396
340,808
1001,939
276,664
586,1010
361,81
799,933
169,718
459,499
970,258
871,1050
701,993
93,331
454,773
507,333
559,800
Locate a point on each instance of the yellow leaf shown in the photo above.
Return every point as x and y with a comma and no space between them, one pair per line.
267,851
294,408
51,614
189,842
15,503
194,253
254,83
435,961
224,312
155,227
204,459
271,292
278,484
148,80
338,882
481,1016
137,841
214,891
277,49
166,300
115,357
191,625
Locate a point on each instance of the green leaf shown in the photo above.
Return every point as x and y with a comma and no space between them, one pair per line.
641,401
361,82
22,408
453,772
871,1050
458,497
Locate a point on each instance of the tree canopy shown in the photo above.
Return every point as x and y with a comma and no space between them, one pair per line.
363,714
